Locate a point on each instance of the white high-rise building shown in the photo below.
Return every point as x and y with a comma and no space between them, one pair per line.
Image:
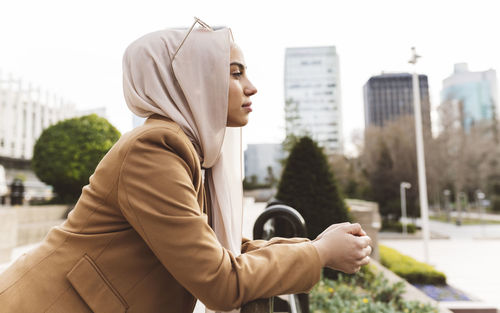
312,96
24,113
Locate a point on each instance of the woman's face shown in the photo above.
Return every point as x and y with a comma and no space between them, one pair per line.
240,90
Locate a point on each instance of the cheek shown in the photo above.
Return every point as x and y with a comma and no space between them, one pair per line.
234,94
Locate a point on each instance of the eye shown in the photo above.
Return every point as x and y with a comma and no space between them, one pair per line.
237,74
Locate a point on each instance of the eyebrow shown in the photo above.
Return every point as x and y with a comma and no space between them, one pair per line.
241,66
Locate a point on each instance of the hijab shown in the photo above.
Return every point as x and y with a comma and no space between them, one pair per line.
184,75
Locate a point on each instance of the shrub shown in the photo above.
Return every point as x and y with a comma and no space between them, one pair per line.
389,225
363,292
307,184
67,153
495,204
413,271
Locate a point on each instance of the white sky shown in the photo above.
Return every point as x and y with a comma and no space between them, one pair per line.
74,48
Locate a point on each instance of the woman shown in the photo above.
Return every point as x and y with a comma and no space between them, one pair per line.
159,224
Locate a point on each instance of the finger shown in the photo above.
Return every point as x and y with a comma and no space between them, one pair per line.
362,242
367,241
365,261
367,251
354,229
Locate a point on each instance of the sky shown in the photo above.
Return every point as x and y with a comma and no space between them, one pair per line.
75,48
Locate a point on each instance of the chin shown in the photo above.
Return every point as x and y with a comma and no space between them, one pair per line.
239,123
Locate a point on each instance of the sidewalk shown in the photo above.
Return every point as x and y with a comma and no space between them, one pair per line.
469,258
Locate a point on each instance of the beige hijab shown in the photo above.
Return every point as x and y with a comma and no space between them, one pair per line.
184,75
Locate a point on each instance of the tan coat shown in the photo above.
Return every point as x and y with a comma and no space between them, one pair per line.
138,241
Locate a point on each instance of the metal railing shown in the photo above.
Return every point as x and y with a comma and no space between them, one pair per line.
279,220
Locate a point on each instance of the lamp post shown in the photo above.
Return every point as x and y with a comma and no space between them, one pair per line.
402,187
480,197
447,194
422,180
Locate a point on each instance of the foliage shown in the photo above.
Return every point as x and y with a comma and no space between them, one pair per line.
398,227
352,179
384,185
67,153
495,203
459,160
363,292
307,184
413,271
252,183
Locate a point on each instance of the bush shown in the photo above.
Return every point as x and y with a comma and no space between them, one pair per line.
67,153
413,271
495,204
389,225
363,292
308,185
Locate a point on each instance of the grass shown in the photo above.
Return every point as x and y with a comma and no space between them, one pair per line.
465,220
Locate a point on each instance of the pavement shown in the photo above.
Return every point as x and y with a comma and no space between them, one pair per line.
469,258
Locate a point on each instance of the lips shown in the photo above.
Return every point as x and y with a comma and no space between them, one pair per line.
247,106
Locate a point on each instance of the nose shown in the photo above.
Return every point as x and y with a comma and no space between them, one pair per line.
250,89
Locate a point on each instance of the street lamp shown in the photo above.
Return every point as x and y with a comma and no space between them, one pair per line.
422,180
480,197
447,194
402,187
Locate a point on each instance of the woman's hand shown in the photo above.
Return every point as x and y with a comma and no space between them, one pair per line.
344,247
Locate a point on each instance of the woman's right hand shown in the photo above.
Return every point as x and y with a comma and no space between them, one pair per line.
344,247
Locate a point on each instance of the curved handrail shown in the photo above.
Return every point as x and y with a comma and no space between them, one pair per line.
280,211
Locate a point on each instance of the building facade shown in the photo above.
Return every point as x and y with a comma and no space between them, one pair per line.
25,112
263,162
390,96
474,93
312,96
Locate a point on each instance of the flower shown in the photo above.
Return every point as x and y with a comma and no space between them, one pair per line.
330,290
365,300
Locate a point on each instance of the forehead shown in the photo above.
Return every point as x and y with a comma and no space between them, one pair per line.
237,55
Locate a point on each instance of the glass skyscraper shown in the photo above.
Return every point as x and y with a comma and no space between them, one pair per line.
476,91
389,96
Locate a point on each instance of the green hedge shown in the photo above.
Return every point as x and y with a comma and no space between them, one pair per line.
413,271
398,227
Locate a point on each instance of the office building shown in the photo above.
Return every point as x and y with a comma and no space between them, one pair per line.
474,93
263,161
25,112
312,96
390,96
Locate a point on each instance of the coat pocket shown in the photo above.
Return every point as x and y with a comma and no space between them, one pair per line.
91,284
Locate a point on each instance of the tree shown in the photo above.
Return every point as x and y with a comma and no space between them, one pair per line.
67,153
270,178
308,185
384,185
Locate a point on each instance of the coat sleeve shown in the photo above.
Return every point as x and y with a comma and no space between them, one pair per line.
158,198
248,245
